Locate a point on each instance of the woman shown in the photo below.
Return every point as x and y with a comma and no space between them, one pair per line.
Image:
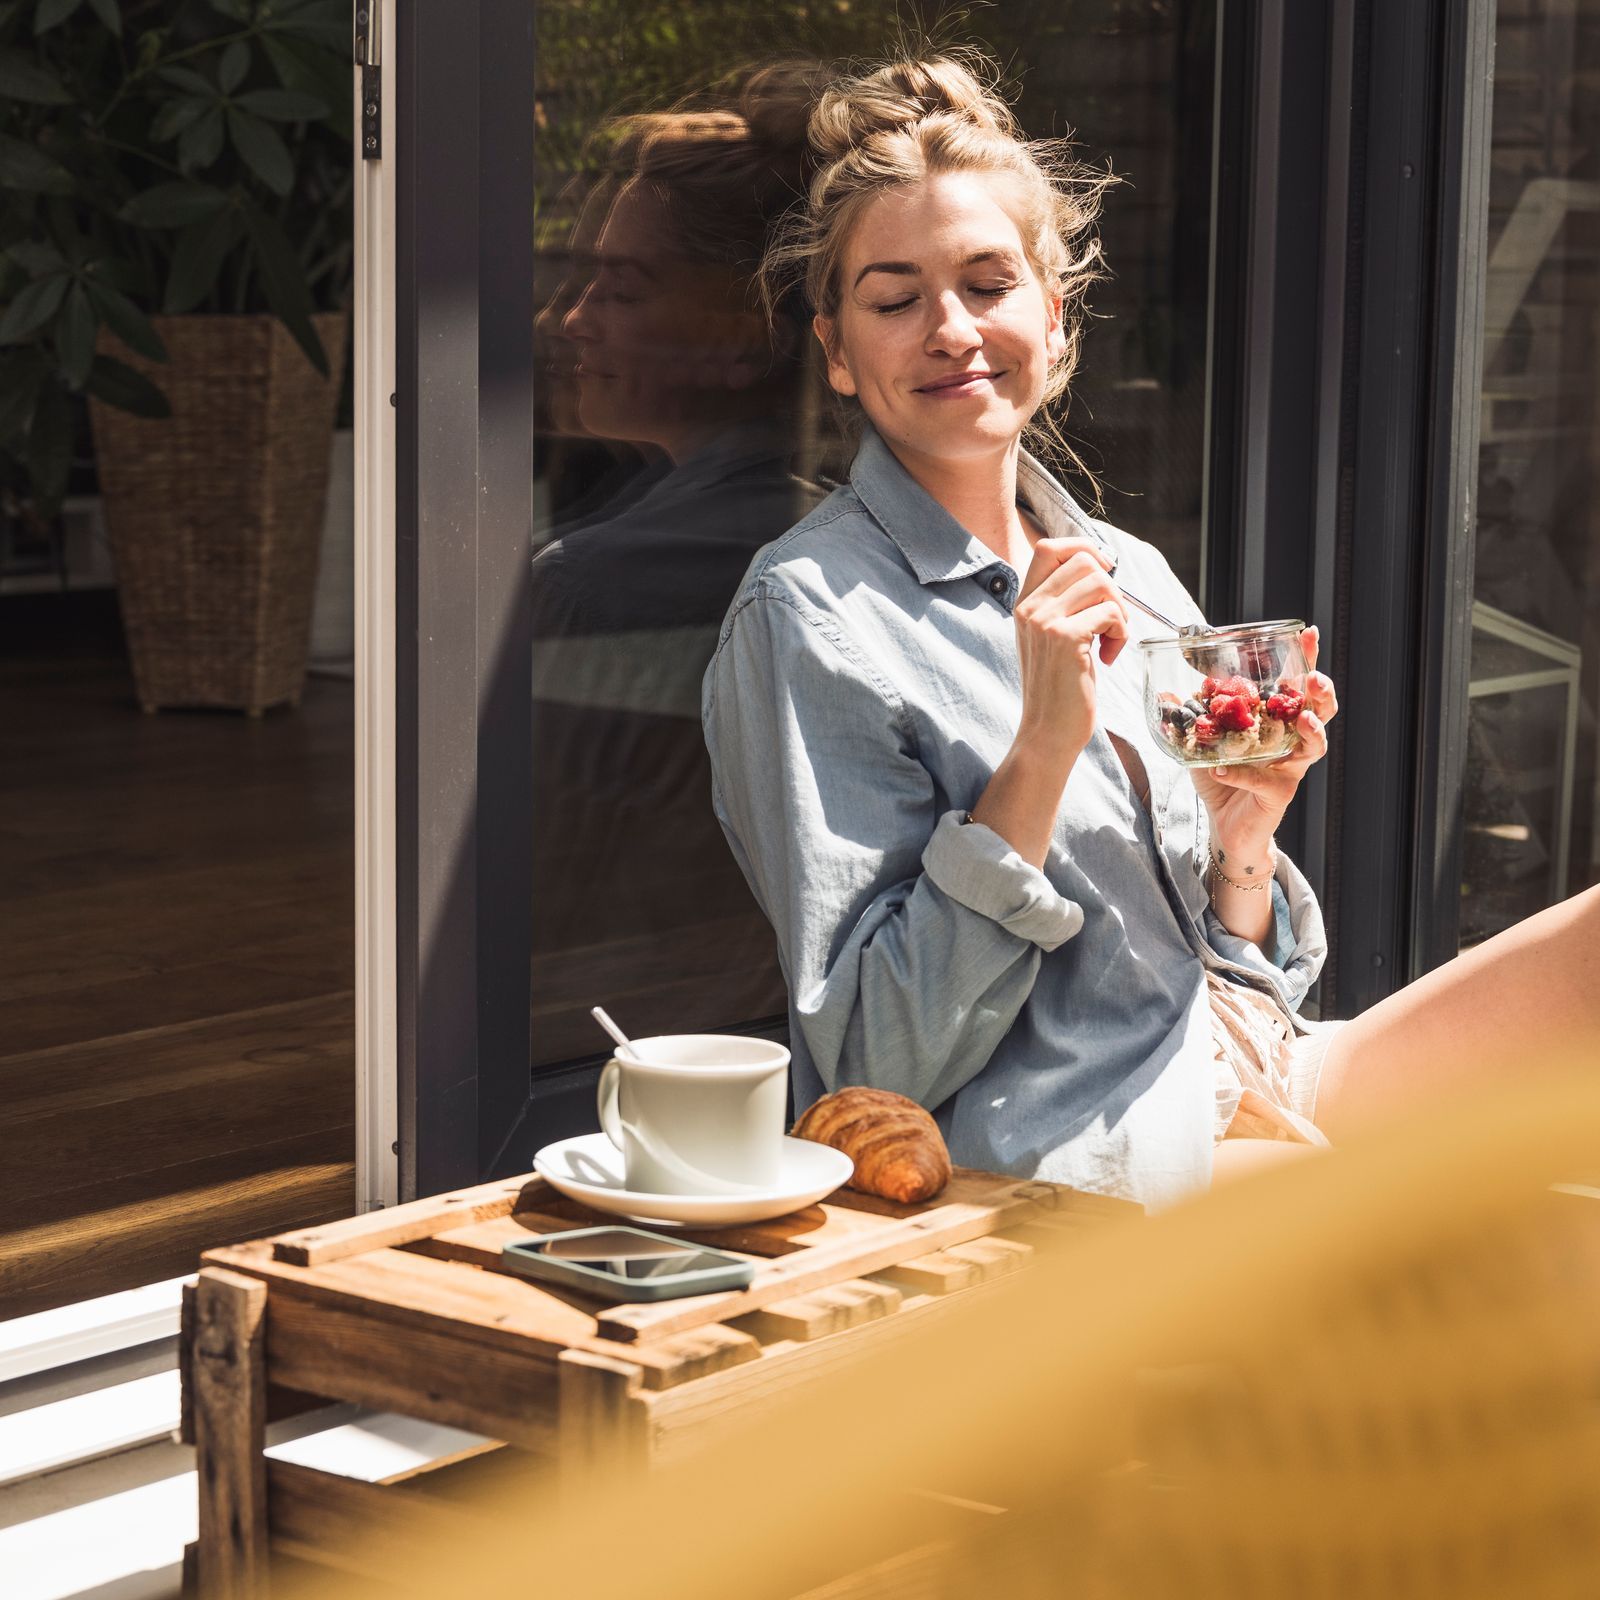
668,355
991,891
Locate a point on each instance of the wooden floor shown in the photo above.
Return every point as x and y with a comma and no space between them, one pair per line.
176,968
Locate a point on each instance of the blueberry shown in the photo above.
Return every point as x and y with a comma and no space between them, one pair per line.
1182,718
1195,707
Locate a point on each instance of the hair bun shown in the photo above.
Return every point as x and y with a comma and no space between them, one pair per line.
776,102
902,94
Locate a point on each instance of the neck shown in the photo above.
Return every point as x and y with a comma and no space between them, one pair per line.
980,492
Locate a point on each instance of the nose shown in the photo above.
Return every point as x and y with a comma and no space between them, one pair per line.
577,324
954,330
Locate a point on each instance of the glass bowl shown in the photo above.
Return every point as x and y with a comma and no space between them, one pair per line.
1228,697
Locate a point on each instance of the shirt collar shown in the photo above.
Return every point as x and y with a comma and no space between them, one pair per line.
936,547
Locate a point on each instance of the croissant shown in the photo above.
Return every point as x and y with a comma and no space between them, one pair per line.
897,1147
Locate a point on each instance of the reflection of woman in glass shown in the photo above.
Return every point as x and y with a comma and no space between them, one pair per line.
676,357
991,891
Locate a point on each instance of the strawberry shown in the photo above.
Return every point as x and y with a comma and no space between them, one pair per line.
1210,687
1205,730
1286,705
1233,713
1242,687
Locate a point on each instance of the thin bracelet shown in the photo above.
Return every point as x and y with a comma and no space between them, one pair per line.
1218,857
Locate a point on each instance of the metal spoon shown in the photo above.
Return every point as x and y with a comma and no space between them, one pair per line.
599,1015
1189,630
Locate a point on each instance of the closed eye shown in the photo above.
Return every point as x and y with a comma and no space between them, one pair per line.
987,293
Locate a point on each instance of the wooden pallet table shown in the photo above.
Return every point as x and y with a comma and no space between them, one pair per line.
406,1310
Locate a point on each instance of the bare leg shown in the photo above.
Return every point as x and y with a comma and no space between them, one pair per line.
1527,998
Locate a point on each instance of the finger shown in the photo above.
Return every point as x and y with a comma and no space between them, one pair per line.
1107,620
1078,566
1310,643
1321,696
1091,590
1049,554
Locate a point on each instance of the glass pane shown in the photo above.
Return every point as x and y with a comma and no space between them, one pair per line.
683,442
1532,802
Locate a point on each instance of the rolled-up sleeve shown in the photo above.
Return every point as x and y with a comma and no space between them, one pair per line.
1300,950
909,940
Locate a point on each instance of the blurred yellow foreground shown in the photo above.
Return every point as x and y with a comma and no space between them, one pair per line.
1373,1373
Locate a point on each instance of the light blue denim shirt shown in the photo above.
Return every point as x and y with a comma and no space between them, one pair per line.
864,688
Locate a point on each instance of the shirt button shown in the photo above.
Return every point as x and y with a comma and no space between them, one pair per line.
997,586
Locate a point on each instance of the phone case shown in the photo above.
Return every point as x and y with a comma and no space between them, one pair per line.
521,1258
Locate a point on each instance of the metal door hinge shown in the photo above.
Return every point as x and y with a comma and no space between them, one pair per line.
369,57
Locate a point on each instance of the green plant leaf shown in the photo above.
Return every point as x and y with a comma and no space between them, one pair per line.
22,167
308,69
201,143
234,10
336,35
49,454
75,331
33,307
52,12
197,261
264,152
30,80
109,13
21,377
280,105
190,81
36,256
233,66
127,321
174,205
120,385
283,281
175,116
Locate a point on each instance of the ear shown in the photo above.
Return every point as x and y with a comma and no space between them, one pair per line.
827,332
1055,342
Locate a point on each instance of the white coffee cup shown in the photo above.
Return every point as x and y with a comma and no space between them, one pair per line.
697,1113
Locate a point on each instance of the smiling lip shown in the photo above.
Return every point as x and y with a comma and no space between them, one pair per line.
957,382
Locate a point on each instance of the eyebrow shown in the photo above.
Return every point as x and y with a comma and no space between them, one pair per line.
909,269
605,259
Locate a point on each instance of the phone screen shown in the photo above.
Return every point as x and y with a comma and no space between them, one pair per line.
626,1255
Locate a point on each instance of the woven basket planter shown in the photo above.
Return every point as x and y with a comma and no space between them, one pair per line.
215,513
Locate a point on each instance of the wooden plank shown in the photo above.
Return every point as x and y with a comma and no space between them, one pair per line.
144,1227
938,1272
971,1187
397,1225
699,1415
434,1375
227,1363
604,1429
802,1230
823,1311
363,1528
473,1309
804,1270
959,1267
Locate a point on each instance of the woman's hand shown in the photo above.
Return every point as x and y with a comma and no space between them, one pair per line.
1247,803
1067,602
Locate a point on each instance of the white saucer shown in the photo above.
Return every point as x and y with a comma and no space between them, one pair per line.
589,1168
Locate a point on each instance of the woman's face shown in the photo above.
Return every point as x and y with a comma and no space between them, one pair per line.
556,401
945,333
667,350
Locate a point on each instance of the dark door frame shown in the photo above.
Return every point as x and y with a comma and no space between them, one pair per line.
463,521
1350,268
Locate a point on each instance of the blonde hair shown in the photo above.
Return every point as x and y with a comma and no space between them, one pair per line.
910,120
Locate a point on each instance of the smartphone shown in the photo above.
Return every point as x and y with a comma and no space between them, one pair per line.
627,1264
